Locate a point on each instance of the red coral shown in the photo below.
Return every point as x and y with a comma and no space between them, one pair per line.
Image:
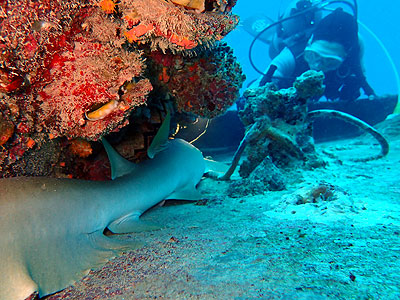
58,61
108,6
72,63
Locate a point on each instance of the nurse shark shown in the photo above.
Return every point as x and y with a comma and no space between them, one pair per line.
52,230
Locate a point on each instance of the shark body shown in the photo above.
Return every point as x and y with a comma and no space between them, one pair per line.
51,230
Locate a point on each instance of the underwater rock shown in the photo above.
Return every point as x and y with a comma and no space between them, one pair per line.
38,161
320,196
320,192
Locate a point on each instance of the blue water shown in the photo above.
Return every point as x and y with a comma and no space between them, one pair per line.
382,17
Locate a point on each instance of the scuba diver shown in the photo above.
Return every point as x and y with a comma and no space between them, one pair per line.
305,40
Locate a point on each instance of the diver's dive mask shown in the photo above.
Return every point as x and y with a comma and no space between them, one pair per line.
324,56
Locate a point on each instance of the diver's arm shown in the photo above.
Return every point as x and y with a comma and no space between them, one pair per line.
281,66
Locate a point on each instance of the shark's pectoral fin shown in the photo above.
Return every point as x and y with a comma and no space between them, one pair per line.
131,223
60,263
188,193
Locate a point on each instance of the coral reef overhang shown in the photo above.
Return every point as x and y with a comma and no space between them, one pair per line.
72,72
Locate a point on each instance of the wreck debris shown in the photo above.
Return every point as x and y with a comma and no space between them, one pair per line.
250,135
329,113
278,135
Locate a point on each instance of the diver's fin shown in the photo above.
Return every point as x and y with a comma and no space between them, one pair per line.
188,193
119,165
161,138
131,223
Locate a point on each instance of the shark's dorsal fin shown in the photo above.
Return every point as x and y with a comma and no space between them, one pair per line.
119,165
161,138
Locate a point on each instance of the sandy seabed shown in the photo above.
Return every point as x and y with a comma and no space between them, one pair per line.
267,246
